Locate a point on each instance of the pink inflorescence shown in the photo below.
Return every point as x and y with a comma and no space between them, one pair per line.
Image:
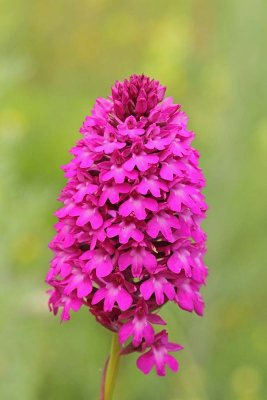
128,236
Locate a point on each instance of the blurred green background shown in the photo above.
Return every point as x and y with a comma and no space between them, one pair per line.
56,58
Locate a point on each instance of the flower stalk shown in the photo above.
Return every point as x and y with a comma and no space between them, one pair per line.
111,369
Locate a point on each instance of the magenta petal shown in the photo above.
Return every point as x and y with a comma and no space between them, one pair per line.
129,165
84,217
124,261
140,211
124,299
142,164
148,334
119,175
113,231
169,290
96,220
137,235
173,347
150,260
87,255
69,240
141,106
147,289
125,332
171,362
76,304
199,306
160,368
84,288
153,228
65,315
166,173
86,162
125,208
178,261
99,295
109,301
103,198
140,331
185,300
145,362
156,319
114,196
104,267
173,265
151,204
159,295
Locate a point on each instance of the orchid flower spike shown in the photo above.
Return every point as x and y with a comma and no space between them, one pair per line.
128,235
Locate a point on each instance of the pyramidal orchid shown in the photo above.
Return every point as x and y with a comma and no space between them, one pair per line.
128,234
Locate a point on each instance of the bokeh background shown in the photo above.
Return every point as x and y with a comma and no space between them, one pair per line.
56,58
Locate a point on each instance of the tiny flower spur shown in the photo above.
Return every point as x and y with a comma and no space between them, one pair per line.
128,235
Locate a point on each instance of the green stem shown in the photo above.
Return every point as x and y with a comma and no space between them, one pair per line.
112,368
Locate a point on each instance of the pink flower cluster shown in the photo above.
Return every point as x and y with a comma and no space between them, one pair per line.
128,236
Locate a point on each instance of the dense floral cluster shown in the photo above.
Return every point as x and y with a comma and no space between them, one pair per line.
128,236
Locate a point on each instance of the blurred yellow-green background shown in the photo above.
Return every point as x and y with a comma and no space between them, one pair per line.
56,58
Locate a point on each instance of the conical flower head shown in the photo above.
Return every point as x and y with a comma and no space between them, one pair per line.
128,235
